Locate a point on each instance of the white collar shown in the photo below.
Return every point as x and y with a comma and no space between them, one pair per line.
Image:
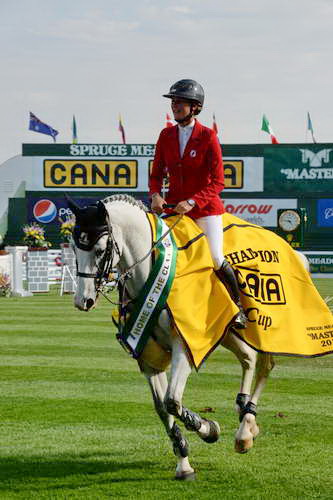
187,128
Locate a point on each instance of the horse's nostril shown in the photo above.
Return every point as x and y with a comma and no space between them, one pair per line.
89,303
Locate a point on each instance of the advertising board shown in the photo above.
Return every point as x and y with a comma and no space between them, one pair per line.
259,211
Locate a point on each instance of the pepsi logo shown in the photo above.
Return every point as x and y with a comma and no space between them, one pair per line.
45,211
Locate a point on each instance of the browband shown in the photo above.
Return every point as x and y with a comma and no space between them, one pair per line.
86,238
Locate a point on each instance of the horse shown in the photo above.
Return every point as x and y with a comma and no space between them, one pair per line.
115,233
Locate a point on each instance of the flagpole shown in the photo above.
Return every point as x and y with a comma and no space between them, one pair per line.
74,131
307,128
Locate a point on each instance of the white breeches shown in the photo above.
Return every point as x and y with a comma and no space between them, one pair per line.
212,227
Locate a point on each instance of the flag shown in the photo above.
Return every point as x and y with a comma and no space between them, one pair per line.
122,130
168,121
37,125
74,140
310,128
214,127
267,128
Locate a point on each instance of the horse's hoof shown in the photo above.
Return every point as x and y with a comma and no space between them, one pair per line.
243,445
254,431
185,476
214,432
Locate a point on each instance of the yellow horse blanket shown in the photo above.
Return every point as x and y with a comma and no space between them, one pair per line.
286,314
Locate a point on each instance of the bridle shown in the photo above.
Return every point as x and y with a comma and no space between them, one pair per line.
106,265
101,276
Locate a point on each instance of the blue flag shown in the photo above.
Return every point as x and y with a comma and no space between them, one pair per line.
310,128
37,125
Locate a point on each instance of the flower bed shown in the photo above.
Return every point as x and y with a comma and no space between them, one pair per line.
5,286
66,229
34,237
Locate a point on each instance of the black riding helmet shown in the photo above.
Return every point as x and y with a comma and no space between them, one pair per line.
189,90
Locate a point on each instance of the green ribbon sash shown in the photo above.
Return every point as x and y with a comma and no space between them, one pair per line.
139,326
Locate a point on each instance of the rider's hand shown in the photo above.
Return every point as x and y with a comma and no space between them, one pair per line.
183,207
157,203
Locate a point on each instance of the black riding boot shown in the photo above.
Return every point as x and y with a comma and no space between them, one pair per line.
227,276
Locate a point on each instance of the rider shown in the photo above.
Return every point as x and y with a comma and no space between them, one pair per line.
191,156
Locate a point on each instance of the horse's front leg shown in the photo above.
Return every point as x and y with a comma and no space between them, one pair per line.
158,384
207,430
247,358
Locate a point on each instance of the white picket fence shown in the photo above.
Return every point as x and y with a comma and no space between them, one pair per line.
54,266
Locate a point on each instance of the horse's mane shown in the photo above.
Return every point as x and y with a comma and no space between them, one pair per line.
127,199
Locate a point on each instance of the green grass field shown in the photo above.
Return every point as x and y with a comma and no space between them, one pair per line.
77,420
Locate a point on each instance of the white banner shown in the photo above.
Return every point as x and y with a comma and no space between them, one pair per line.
70,173
262,211
244,173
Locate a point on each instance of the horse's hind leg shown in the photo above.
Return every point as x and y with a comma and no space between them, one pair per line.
248,429
208,430
265,365
158,384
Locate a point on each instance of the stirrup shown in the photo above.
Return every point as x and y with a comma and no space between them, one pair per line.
240,320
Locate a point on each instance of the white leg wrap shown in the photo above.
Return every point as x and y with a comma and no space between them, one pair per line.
183,467
204,429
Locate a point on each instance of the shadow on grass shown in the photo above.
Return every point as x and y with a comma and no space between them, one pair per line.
27,469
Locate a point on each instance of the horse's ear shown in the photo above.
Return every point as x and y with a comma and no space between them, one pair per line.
72,205
101,211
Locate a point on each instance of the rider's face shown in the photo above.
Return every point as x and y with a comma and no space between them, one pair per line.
180,108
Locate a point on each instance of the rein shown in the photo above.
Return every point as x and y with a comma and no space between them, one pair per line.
127,273
104,269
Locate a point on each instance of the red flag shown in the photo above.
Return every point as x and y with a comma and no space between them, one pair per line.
214,127
122,130
168,121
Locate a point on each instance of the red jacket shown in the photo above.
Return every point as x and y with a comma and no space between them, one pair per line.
198,174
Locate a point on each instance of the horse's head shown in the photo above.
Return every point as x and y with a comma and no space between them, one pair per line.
97,246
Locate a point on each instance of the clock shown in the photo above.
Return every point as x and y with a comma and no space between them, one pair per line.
289,220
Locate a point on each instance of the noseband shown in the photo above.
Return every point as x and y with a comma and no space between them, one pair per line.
106,264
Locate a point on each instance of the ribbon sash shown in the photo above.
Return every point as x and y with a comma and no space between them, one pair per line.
153,296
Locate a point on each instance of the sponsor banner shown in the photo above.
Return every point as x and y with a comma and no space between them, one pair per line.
297,170
96,174
83,174
50,210
88,150
44,211
259,211
325,212
275,169
123,150
320,262
244,174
